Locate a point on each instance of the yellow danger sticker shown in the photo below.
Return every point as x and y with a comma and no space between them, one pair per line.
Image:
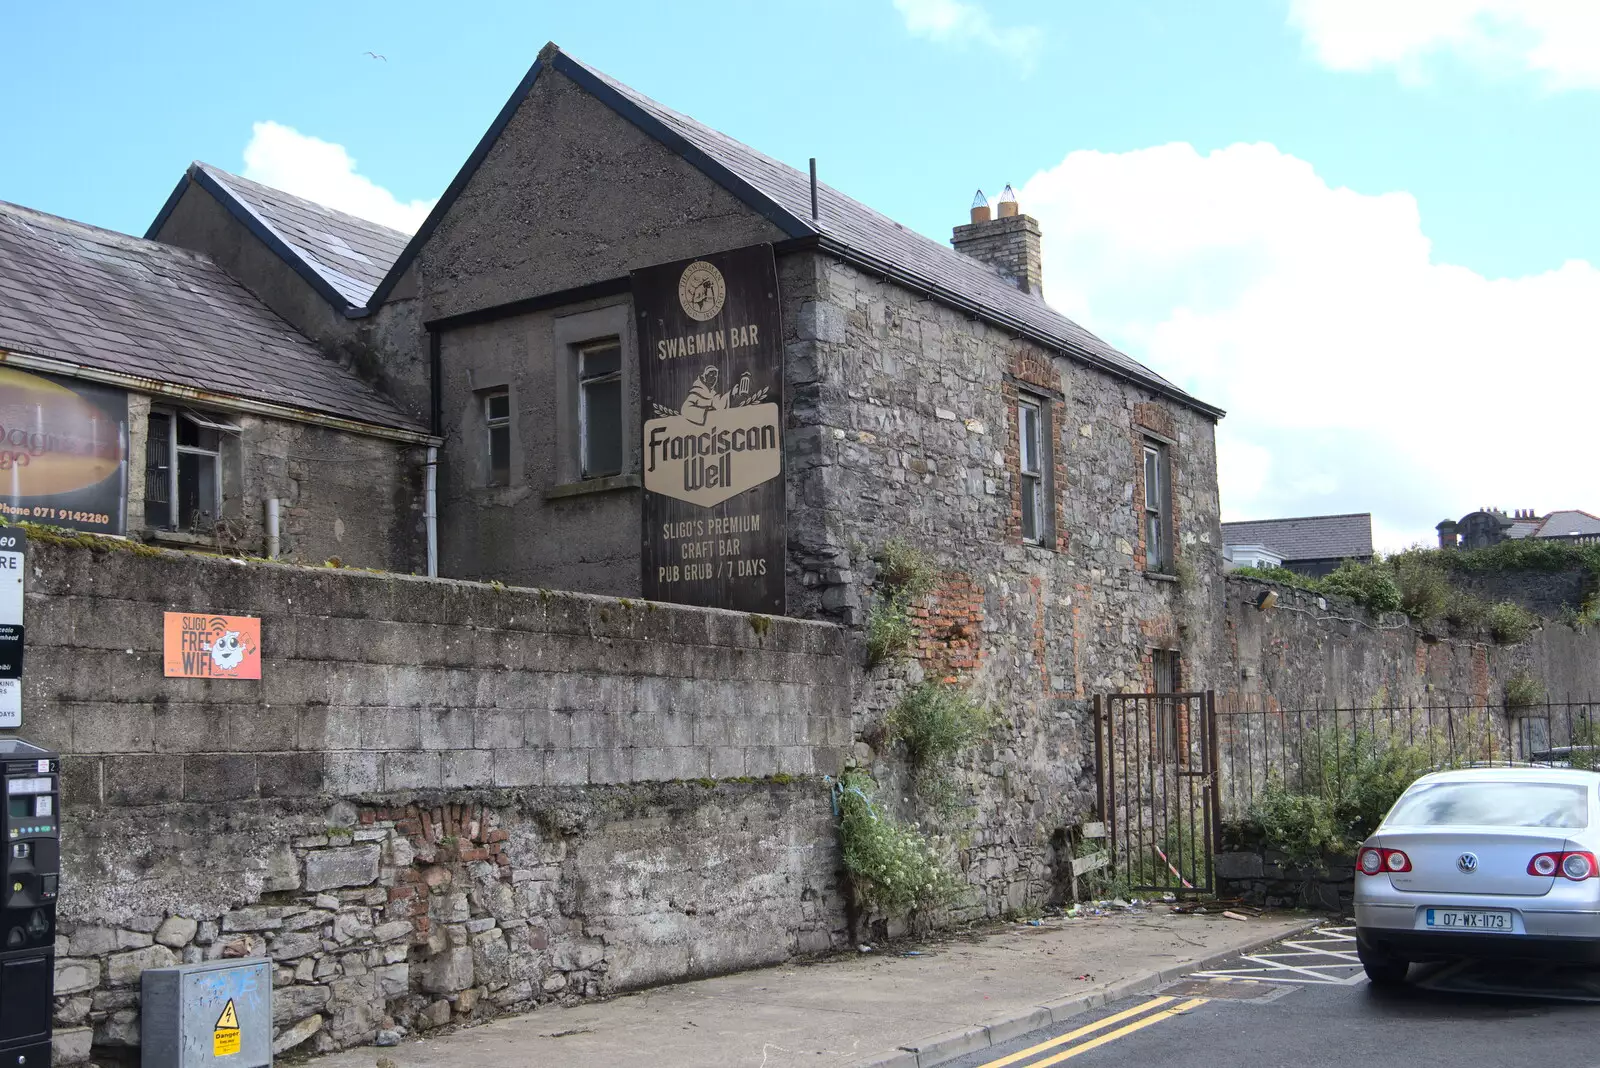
225,1036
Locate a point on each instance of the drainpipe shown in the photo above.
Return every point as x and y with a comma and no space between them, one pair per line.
274,545
430,506
430,509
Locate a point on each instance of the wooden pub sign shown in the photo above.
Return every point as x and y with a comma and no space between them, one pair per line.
711,401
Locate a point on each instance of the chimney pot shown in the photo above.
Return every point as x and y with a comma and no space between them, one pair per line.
1009,244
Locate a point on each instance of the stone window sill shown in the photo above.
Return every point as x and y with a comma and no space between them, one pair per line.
1157,576
593,485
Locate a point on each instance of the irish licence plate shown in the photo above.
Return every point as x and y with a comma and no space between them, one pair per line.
1469,919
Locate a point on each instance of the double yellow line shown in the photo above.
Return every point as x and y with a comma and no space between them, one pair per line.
1141,1016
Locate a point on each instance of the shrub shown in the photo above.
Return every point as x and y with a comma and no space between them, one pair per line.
1510,623
889,630
1424,589
892,866
1347,782
1462,609
1523,691
936,720
1368,585
1280,575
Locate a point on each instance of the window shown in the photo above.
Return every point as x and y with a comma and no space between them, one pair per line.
600,408
497,422
1030,458
183,470
1157,509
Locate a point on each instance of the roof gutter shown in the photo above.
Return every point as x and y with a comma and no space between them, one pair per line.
137,383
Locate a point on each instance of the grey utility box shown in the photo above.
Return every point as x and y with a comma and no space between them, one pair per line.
217,1013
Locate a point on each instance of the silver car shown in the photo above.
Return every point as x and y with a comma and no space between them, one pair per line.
1486,862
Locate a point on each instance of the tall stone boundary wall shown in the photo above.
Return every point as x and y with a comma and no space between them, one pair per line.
1309,651
1544,592
442,801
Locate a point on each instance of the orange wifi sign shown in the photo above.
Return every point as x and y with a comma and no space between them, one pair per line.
212,647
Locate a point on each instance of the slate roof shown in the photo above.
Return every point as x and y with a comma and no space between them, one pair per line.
121,304
844,226
1570,521
334,251
1315,537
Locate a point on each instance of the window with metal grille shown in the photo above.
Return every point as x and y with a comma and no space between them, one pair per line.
497,436
183,470
600,407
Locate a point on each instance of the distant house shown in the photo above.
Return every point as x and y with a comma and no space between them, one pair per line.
1491,526
1312,545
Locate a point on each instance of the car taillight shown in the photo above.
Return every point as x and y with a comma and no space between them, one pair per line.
1373,860
1574,866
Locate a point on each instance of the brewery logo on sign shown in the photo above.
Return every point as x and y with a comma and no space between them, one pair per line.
702,291
717,444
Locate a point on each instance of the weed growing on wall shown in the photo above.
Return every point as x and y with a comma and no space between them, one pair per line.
905,569
1510,623
1372,587
1464,610
1523,691
936,720
905,576
1425,590
889,630
893,866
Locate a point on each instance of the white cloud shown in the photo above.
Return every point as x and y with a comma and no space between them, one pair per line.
955,23
1358,373
284,158
1557,40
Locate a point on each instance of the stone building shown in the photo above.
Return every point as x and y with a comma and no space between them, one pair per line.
147,393
931,393
1491,526
1066,493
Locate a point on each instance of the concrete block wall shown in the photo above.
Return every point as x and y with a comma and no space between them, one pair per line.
374,683
442,801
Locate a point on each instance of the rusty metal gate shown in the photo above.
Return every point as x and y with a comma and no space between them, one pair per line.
1157,754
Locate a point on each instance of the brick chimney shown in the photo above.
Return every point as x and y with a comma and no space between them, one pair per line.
1009,244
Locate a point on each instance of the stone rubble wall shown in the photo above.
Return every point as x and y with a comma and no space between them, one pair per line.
903,425
443,800
1268,879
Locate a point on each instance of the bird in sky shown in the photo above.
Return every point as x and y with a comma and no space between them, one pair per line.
375,55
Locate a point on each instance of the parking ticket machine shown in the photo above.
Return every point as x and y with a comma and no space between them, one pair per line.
30,878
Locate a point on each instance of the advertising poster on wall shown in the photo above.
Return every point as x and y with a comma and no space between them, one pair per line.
711,401
63,452
200,646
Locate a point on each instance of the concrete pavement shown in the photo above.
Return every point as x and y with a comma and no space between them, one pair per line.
957,993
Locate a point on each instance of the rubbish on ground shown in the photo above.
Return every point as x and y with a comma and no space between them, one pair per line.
864,948
1235,916
912,953
1035,923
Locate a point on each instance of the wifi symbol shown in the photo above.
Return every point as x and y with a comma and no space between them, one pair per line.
219,624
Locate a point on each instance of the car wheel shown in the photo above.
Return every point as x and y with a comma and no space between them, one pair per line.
1382,969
